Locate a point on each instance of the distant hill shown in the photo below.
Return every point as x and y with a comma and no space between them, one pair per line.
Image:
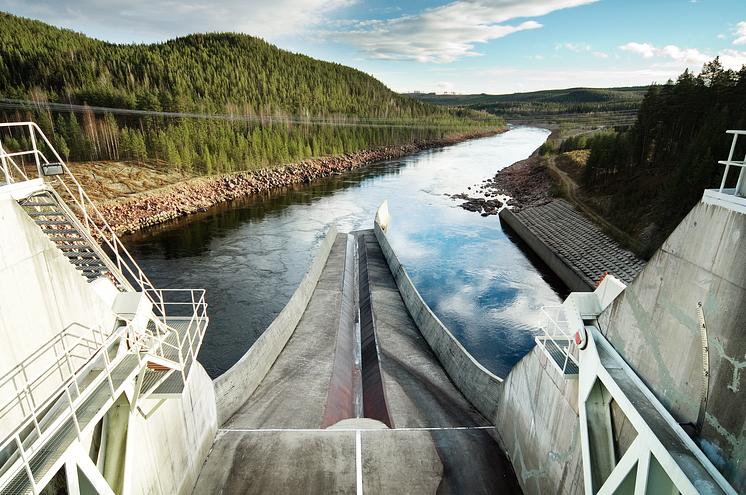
279,106
617,106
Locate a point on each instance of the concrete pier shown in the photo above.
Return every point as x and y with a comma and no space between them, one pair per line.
439,442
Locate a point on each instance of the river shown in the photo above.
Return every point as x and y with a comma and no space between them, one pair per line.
251,254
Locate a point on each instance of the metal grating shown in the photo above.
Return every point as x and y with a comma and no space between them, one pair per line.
555,350
124,370
151,379
45,211
174,384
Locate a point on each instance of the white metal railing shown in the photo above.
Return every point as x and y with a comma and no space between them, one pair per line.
740,189
42,421
180,304
41,398
46,411
556,330
661,457
86,215
25,392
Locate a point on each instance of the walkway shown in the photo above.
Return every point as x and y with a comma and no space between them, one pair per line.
438,444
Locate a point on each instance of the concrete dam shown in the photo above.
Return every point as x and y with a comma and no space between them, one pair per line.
357,387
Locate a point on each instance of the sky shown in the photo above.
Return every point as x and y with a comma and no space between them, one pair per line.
462,46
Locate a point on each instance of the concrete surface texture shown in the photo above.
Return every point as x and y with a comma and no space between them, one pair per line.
480,386
654,326
573,246
166,451
236,385
538,421
439,444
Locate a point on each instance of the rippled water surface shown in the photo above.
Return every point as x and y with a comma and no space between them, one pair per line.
252,253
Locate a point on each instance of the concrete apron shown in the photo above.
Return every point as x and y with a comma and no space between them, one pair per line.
275,444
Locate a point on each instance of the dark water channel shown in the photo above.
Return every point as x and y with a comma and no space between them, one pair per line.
252,253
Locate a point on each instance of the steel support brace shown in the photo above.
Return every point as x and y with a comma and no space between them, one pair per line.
662,459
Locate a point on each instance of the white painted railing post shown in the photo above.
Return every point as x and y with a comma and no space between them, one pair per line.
24,459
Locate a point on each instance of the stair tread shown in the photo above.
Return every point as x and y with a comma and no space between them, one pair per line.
53,222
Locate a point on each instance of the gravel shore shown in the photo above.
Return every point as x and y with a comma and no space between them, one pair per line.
523,184
129,215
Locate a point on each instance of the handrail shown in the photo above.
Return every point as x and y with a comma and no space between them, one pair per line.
49,399
92,221
742,175
24,387
555,324
195,326
29,384
142,342
20,435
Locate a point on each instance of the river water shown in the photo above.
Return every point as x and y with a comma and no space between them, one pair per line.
251,254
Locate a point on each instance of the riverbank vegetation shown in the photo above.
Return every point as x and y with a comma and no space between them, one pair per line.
646,179
642,173
204,103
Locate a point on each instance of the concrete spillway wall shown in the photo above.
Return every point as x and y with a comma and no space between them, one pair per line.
168,449
654,327
537,418
481,387
234,387
535,410
575,248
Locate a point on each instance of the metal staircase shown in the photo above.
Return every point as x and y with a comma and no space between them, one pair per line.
145,348
55,421
44,208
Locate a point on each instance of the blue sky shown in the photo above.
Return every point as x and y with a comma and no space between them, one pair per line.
465,46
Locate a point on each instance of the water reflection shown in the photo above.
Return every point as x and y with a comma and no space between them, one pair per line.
251,254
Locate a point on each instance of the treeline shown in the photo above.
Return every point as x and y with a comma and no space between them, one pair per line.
545,103
678,138
275,106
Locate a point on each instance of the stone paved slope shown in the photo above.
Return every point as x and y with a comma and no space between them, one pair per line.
580,242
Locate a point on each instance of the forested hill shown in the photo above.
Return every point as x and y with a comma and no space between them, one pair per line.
605,106
280,106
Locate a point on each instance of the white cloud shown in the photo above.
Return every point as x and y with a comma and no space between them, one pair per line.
577,47
645,49
689,57
600,55
448,33
159,20
732,59
741,32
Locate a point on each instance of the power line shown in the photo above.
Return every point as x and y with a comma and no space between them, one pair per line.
342,121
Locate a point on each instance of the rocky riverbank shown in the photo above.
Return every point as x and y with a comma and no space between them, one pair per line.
128,215
523,184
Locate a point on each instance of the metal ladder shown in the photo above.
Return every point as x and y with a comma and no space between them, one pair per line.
55,222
